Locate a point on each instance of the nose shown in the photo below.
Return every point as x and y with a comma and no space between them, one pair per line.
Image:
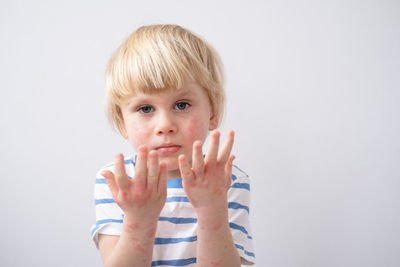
166,124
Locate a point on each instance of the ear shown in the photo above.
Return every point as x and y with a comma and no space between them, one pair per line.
123,130
213,122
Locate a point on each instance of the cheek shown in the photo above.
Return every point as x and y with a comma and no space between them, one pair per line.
138,136
197,129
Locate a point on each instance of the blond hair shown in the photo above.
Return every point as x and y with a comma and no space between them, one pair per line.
159,57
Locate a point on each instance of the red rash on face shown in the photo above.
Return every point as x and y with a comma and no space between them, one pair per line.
165,122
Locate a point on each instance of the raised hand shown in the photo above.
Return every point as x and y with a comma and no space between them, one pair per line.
144,196
207,181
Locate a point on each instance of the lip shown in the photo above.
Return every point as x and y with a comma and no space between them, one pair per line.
168,148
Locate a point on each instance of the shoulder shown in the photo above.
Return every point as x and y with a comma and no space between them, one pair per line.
240,177
238,172
240,181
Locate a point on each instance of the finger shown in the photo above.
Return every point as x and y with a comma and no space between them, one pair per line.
212,151
227,147
121,178
197,159
186,171
152,177
162,180
228,170
111,182
141,168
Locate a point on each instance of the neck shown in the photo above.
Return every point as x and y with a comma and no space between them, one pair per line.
174,174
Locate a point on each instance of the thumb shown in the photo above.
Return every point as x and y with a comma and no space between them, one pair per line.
228,169
111,182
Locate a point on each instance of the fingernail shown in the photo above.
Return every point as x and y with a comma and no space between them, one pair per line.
198,144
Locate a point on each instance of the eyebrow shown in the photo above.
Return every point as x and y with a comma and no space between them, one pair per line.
147,97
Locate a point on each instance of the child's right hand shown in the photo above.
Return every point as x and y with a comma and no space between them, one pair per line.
143,197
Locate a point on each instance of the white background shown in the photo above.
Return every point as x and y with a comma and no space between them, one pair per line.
313,94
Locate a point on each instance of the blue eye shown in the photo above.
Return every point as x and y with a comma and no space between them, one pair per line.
181,105
145,109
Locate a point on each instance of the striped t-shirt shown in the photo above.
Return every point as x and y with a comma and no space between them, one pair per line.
176,235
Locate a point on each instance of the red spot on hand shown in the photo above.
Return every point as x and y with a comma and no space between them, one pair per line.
151,232
132,225
217,191
216,262
140,248
217,226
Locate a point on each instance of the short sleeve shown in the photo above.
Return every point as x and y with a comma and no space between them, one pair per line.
109,216
239,210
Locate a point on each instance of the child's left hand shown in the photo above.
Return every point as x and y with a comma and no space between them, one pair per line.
206,183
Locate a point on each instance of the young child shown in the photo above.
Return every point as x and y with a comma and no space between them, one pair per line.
169,205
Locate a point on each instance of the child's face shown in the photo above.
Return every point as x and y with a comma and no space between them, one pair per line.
169,122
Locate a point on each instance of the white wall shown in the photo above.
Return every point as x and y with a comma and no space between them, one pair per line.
313,90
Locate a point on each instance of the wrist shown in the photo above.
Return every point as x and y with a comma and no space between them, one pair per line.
140,226
215,207
216,215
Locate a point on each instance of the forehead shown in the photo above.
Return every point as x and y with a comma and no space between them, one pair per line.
189,89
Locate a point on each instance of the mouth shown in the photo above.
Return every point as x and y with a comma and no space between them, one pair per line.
168,148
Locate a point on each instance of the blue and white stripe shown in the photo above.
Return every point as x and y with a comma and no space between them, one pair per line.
176,236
